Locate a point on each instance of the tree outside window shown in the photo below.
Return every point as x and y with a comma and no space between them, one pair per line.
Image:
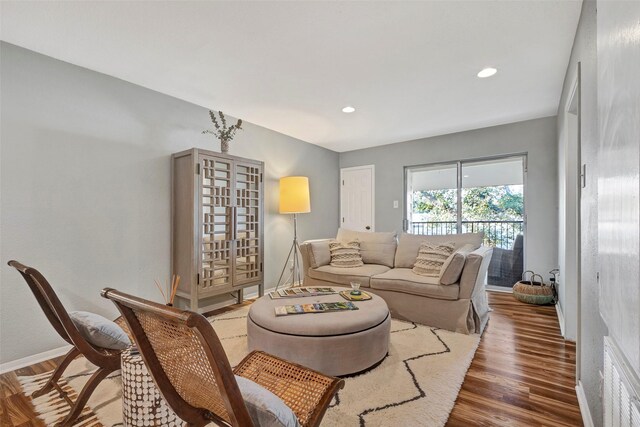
496,210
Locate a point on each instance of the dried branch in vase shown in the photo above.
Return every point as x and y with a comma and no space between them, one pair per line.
175,282
222,132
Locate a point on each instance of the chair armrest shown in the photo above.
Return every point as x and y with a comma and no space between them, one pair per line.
475,271
307,392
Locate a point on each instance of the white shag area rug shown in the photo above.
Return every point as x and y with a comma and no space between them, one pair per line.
416,384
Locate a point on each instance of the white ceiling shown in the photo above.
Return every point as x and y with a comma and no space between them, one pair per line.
408,67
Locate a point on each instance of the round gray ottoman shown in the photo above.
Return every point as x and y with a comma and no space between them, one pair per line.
335,343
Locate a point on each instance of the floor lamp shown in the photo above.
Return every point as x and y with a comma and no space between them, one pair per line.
294,199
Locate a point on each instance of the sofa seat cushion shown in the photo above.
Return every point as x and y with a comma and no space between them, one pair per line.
345,275
406,281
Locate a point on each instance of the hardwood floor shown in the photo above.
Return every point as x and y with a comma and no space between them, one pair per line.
523,374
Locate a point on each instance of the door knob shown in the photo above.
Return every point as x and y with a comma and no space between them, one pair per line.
368,227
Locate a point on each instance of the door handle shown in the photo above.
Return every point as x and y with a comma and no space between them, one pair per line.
234,213
368,227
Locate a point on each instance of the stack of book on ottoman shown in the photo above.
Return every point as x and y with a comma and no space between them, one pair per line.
301,292
323,307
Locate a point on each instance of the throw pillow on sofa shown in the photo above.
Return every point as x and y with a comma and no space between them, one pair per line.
345,254
319,253
453,266
431,258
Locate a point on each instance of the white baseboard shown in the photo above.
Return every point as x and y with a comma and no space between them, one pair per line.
584,407
33,359
560,319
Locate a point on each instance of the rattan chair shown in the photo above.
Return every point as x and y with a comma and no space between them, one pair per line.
106,360
506,265
188,364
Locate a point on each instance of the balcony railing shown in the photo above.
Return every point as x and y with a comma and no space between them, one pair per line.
500,234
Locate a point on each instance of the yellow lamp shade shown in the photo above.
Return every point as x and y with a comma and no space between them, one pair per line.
294,194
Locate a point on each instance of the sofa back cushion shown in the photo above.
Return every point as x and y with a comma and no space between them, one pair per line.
375,247
345,254
409,244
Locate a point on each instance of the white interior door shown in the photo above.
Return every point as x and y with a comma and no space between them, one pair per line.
569,220
357,198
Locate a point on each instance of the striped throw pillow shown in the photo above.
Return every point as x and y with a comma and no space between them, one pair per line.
345,254
431,258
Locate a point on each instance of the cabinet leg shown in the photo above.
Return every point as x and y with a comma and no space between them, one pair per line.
261,290
240,296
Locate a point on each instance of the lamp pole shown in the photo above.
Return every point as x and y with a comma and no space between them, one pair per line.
295,250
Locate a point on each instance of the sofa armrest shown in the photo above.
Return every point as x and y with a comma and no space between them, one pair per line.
310,259
475,271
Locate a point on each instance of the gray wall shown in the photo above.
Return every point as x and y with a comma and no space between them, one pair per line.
85,178
618,46
592,328
535,137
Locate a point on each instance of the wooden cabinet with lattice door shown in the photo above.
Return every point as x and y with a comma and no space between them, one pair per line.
217,225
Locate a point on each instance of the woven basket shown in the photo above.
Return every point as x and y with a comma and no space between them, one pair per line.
533,292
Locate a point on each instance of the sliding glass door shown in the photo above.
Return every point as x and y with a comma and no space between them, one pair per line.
472,196
432,199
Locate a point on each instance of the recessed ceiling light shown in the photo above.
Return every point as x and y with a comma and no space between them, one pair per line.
348,109
487,72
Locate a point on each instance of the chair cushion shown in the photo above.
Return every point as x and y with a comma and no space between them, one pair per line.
409,244
431,258
319,253
375,247
100,331
343,276
453,266
265,408
406,281
345,254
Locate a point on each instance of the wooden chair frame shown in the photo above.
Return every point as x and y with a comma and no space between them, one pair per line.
224,375
106,360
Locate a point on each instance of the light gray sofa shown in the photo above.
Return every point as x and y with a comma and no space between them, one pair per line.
459,306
